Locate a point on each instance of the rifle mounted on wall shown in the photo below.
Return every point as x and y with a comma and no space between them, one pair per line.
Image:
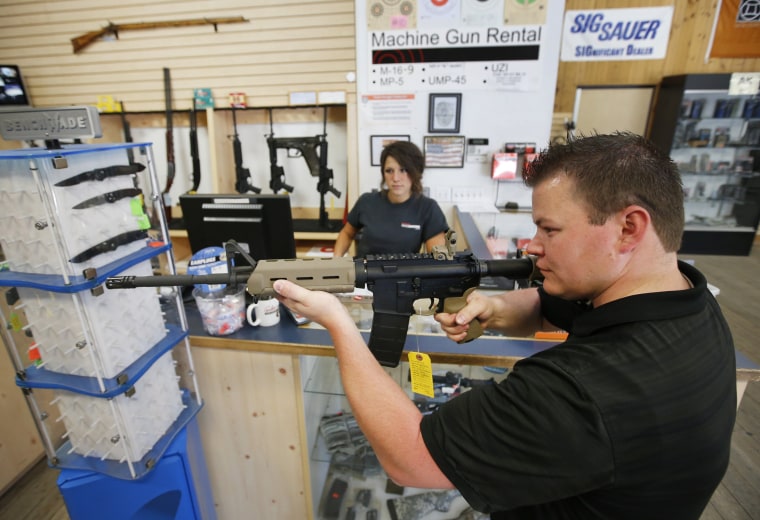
325,183
313,149
243,183
80,42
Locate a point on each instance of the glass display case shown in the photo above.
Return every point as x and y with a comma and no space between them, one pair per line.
346,478
712,132
107,375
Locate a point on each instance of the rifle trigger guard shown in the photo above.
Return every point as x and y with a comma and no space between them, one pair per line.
422,309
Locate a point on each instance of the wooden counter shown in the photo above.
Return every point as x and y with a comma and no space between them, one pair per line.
253,424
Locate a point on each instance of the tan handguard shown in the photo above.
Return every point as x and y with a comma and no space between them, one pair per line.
336,275
454,305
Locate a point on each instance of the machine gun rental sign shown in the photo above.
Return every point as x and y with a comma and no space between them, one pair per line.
444,47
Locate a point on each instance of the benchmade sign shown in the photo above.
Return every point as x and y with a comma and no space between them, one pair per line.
616,34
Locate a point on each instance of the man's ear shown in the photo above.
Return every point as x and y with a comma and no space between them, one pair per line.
635,221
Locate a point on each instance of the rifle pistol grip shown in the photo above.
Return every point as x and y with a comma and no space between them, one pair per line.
454,305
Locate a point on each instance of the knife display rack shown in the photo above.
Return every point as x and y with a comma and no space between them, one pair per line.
108,375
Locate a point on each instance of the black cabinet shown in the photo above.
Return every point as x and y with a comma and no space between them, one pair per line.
713,135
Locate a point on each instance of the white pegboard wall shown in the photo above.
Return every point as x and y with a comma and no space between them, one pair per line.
470,194
440,193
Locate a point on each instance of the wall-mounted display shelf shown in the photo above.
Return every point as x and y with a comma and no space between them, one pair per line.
713,135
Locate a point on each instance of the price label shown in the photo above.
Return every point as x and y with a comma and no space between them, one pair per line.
421,371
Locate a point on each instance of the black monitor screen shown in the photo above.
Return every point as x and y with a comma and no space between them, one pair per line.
12,89
262,224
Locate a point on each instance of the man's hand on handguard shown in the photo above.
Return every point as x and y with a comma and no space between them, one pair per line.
318,306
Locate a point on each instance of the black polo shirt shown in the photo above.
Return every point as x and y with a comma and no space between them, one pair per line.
630,418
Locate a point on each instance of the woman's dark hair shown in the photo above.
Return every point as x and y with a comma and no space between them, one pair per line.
409,157
613,171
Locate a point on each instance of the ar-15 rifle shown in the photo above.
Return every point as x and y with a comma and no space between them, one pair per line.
242,175
314,152
277,172
325,182
396,282
307,146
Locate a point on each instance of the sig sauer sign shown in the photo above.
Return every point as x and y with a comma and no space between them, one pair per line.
616,34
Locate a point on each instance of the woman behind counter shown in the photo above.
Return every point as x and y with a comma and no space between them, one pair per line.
398,218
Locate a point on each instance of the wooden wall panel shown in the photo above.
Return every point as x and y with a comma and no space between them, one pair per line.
286,46
253,434
689,37
20,445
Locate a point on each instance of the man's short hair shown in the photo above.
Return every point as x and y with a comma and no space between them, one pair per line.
613,171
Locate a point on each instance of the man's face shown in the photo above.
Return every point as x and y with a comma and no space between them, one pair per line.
576,258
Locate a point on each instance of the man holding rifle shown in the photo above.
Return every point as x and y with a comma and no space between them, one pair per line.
630,417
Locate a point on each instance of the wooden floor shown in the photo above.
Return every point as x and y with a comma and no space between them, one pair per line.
35,496
738,278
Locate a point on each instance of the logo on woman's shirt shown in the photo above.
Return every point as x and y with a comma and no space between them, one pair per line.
407,225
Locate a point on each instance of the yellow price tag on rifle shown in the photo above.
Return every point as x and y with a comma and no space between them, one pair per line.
421,372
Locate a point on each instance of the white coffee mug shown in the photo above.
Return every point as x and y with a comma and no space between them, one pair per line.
267,313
